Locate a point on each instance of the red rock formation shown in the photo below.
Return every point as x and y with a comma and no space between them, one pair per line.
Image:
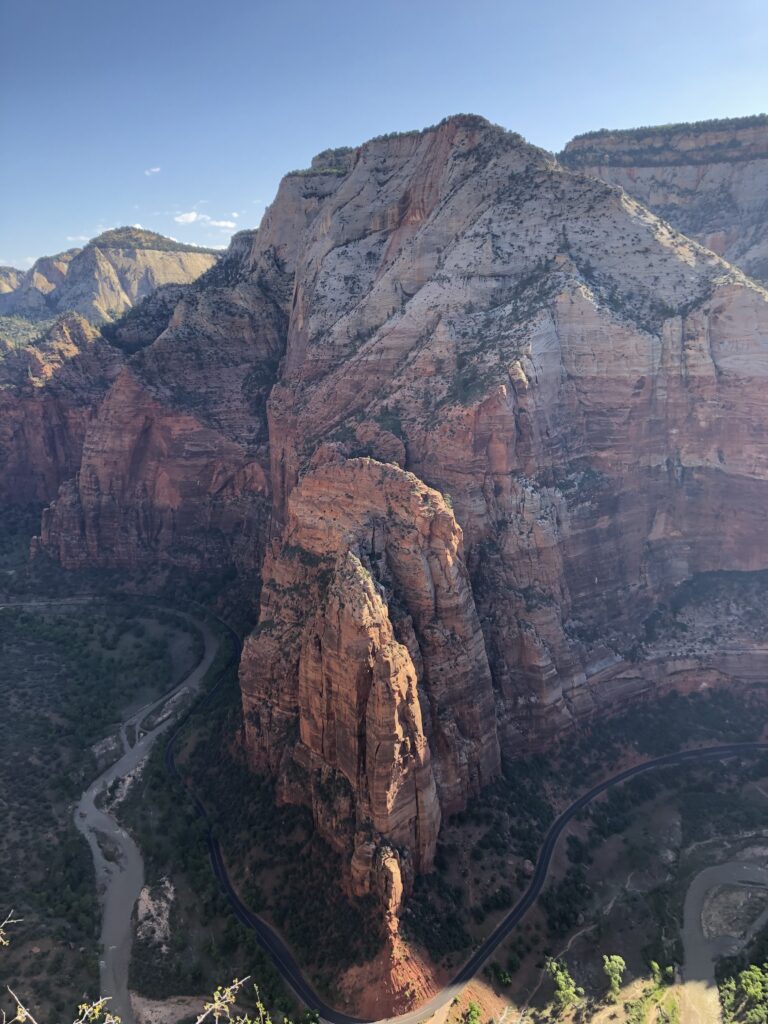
439,328
369,663
157,483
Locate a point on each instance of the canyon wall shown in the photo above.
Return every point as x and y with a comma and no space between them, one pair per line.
49,392
472,413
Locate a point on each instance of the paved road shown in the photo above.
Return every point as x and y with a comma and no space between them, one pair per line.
290,970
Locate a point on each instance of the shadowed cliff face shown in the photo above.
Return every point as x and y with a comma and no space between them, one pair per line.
474,413
709,180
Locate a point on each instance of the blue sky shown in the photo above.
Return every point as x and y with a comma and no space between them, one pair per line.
182,115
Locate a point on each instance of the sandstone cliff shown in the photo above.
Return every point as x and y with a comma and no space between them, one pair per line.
708,179
479,412
49,390
103,280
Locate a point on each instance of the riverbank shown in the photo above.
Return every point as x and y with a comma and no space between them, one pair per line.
120,866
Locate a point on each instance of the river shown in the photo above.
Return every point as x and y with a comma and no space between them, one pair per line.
119,865
700,1003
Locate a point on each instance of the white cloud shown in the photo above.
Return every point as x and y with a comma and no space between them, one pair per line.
28,261
140,228
234,214
152,170
77,238
193,217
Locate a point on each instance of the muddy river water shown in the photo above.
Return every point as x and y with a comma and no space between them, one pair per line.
117,859
699,999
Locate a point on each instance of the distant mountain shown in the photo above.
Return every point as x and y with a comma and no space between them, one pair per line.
104,279
10,279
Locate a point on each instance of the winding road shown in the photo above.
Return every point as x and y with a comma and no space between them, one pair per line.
120,878
282,957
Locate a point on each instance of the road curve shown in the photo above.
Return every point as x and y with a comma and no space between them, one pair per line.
282,957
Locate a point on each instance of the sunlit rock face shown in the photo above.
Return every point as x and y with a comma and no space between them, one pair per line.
471,413
103,280
366,687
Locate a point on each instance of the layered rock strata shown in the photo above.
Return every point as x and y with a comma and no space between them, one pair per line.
479,411
366,687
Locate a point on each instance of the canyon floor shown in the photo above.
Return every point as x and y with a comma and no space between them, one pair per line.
618,881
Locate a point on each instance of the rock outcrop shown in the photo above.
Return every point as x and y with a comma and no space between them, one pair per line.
103,280
708,179
367,687
478,412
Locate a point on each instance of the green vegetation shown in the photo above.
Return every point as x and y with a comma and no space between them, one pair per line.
434,916
674,128
282,869
744,997
743,983
627,147
236,1003
142,323
312,172
660,726
472,1014
137,238
20,523
17,332
614,967
565,902
481,853
567,993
